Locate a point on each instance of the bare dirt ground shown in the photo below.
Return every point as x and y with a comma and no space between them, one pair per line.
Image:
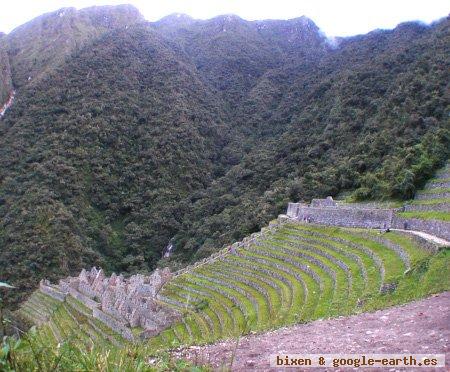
420,327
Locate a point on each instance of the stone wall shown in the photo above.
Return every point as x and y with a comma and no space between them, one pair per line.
443,207
118,302
113,323
423,243
46,288
91,304
441,195
371,218
437,184
440,229
328,202
233,248
292,210
346,217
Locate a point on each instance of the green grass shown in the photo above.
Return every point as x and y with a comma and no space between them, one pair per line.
328,290
267,299
415,253
436,190
293,291
304,311
356,289
266,286
36,351
219,303
342,288
391,262
250,313
430,201
427,276
286,302
279,293
427,215
437,180
321,239
263,306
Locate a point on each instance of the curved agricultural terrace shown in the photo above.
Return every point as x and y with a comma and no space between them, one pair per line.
293,273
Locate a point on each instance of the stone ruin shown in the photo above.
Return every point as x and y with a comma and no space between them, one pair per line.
328,212
328,202
121,303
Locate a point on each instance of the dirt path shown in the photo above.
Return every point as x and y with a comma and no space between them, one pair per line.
429,237
418,327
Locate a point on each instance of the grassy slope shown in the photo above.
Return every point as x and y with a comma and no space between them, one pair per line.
422,279
427,215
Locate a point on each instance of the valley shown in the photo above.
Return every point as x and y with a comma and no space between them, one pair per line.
170,189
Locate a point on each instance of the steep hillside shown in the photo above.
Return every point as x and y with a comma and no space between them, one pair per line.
130,135
232,54
96,157
42,44
288,273
370,116
5,71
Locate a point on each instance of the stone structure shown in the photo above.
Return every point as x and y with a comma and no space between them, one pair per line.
438,228
328,202
48,289
328,212
118,302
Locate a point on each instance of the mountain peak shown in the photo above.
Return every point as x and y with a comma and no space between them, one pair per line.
176,17
44,42
113,15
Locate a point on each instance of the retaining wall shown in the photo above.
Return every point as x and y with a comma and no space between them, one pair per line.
346,217
113,324
52,292
433,227
443,207
91,304
440,195
366,218
437,184
422,242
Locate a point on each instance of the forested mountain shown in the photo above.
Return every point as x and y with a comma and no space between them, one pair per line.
126,134
5,71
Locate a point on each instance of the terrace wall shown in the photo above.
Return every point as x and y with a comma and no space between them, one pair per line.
342,216
440,229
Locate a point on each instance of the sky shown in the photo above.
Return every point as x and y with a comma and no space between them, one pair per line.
334,17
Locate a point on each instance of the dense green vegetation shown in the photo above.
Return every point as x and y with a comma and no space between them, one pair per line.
179,129
36,351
